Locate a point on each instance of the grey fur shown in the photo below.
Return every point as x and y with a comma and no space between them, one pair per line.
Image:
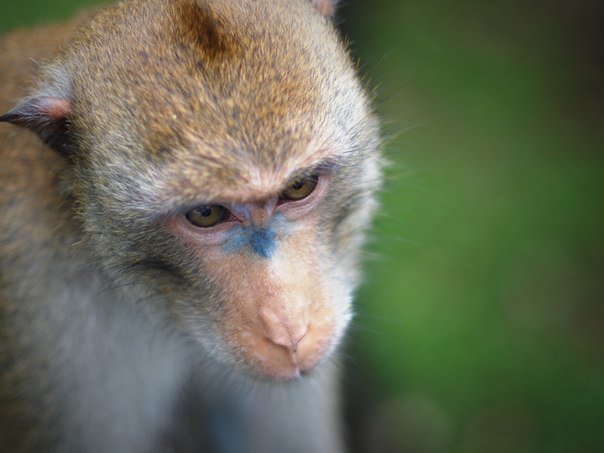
111,335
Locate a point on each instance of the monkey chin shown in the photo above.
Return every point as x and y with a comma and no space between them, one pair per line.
279,376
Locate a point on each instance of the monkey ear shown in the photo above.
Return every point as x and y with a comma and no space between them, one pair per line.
326,7
47,116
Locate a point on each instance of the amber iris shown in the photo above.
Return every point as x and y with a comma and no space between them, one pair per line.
300,188
207,215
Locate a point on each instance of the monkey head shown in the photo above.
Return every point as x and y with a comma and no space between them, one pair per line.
225,154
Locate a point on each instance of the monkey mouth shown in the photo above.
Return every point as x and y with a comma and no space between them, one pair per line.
274,362
271,372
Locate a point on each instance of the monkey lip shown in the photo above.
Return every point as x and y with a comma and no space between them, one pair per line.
283,373
279,363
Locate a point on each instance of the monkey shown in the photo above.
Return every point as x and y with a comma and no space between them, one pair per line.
185,191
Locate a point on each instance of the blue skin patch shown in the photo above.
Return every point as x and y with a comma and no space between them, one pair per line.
262,241
239,237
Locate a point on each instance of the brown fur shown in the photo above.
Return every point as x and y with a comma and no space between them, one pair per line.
111,308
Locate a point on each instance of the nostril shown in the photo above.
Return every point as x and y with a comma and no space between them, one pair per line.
288,349
288,338
281,330
297,337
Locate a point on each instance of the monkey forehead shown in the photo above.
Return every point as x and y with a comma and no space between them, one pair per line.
190,178
255,74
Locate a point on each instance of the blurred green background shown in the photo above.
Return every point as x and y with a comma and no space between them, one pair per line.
481,324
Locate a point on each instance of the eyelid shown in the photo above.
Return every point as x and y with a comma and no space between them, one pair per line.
327,167
299,208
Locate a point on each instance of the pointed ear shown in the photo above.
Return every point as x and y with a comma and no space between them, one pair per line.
47,116
326,7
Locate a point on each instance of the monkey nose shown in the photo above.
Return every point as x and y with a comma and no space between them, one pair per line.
289,340
286,334
261,213
284,343
257,214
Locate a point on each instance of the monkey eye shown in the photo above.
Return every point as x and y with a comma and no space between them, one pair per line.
207,216
299,188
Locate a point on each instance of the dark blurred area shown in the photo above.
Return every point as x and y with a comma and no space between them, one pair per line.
480,327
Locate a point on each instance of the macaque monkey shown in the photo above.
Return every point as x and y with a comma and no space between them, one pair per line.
184,190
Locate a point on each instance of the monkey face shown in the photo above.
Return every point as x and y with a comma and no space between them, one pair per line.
276,310
230,168
260,272
256,195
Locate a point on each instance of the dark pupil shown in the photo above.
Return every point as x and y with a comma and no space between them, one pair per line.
205,211
298,185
